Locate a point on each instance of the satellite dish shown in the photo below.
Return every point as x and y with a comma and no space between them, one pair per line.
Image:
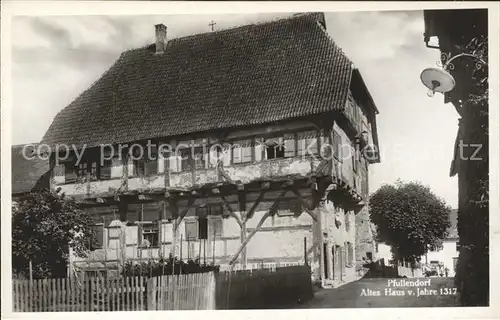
437,80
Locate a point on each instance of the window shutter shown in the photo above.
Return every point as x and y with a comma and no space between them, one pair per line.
258,150
216,227
172,162
289,145
226,155
70,173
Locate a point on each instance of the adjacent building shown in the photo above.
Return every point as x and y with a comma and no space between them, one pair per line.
270,131
29,172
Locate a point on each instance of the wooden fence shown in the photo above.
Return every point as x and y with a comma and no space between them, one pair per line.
264,288
247,289
182,292
179,292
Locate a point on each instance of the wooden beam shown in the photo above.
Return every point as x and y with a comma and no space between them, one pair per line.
271,211
143,197
250,212
306,206
288,183
230,210
183,213
242,202
320,167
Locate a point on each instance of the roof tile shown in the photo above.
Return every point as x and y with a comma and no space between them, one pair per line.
249,75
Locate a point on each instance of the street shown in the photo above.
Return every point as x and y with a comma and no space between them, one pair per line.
375,293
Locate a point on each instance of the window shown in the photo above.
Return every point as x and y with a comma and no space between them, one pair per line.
285,208
105,170
147,164
275,148
191,230
186,159
200,155
150,234
86,168
98,235
139,168
307,143
242,151
216,226
202,213
209,221
202,227
349,252
369,256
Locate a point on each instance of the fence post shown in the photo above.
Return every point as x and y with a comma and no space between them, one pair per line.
151,294
305,251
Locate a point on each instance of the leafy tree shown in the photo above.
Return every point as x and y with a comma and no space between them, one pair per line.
45,224
409,218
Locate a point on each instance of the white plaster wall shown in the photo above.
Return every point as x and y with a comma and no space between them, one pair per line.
445,255
144,183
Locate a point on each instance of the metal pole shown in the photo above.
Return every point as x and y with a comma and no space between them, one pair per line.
31,273
199,249
213,250
180,260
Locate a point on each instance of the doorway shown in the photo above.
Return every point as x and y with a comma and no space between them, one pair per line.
325,260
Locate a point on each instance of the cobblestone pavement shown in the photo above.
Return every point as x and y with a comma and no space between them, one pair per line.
381,293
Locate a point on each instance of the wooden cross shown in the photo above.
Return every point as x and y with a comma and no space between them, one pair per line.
212,24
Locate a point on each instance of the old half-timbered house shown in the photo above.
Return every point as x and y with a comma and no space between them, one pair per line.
269,132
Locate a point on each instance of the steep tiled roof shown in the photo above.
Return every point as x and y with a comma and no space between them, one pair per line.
248,75
28,175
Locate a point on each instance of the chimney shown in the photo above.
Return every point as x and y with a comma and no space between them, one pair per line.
161,38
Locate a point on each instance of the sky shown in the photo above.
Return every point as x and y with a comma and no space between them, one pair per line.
55,58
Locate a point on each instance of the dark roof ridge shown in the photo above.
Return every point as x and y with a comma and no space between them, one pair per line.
228,30
245,26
